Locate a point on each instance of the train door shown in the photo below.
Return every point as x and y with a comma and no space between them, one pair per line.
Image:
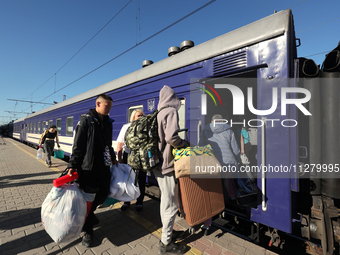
243,124
23,132
273,144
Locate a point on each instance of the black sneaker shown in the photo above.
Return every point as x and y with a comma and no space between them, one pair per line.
87,240
171,248
139,208
124,207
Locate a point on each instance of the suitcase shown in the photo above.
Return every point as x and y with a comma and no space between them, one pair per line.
200,199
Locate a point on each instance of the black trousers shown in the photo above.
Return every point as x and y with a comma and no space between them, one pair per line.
98,183
141,182
49,146
247,150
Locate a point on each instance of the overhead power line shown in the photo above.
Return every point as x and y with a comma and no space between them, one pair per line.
15,113
318,53
297,4
131,48
312,28
94,36
32,102
82,47
318,25
28,101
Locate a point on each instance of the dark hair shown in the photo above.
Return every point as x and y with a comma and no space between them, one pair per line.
104,96
53,126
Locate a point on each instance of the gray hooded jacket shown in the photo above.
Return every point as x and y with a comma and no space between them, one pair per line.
168,127
223,141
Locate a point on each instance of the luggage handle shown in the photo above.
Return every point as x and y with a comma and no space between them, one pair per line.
186,133
177,180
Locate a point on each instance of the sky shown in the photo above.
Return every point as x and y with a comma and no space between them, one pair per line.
55,48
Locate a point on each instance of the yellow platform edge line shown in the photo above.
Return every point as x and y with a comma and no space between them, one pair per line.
35,157
150,226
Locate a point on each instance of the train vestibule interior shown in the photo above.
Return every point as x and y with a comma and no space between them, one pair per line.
245,184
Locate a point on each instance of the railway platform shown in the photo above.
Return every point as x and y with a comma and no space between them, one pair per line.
24,183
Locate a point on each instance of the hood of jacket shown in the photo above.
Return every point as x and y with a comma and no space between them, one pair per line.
217,128
94,114
168,97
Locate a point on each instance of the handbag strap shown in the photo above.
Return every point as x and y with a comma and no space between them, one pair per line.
136,179
129,176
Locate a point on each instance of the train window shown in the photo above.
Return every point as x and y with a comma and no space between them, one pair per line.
43,128
181,115
30,130
38,127
59,126
69,126
50,123
131,109
34,127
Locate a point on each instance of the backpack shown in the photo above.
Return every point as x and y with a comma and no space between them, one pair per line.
42,136
141,138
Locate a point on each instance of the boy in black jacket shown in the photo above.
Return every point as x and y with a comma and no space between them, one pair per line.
92,155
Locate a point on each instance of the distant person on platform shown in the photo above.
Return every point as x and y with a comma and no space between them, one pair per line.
49,137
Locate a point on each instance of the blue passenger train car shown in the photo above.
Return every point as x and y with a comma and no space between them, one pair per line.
261,56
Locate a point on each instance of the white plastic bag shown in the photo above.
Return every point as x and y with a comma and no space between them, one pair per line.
244,159
89,198
63,213
122,185
40,153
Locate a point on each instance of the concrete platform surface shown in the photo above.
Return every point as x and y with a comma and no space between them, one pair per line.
25,181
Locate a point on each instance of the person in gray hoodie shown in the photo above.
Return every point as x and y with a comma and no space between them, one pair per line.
168,127
222,140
